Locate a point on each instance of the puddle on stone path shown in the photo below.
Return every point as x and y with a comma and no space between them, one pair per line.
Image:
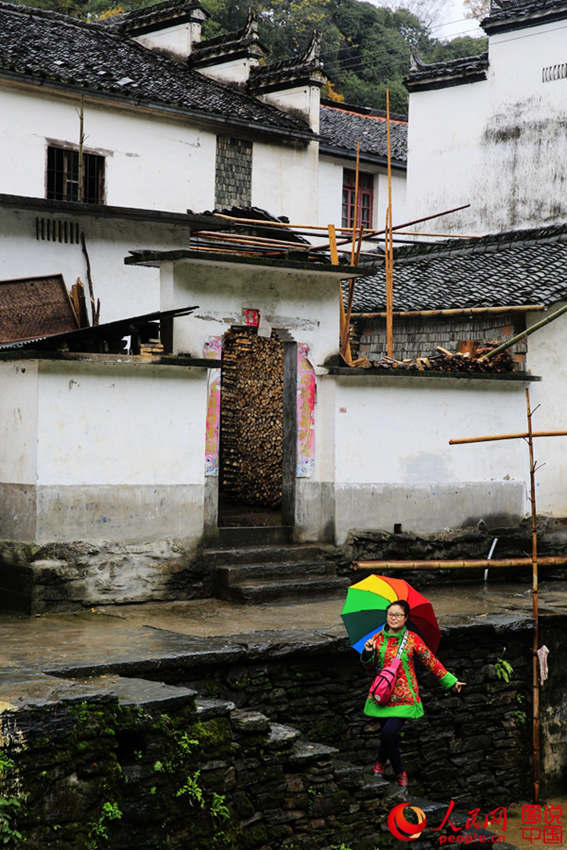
215,617
111,633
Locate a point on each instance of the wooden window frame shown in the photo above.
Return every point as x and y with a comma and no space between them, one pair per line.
61,174
365,213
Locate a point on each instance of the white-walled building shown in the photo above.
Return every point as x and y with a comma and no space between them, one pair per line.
169,123
489,130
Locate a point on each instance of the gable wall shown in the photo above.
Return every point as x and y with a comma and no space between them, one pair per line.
497,144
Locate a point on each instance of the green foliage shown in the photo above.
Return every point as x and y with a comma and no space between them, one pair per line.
185,743
219,811
193,791
9,807
503,669
6,765
98,830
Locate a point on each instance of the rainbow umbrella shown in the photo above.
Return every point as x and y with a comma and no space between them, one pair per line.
364,612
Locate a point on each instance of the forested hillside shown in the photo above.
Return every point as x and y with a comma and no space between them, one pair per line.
365,49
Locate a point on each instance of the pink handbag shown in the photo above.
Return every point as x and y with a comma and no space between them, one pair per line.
383,685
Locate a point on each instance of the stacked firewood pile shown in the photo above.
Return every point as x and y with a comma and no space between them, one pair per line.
447,361
251,418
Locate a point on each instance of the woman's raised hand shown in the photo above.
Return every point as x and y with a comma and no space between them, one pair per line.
369,645
458,686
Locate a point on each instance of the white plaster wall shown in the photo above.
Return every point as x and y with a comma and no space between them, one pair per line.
150,163
177,39
285,181
394,462
303,99
302,302
109,424
236,71
18,421
123,290
494,144
545,358
445,158
399,214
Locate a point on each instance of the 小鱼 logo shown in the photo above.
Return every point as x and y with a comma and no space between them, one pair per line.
401,828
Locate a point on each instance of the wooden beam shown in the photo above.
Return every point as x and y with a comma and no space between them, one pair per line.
524,435
453,311
474,563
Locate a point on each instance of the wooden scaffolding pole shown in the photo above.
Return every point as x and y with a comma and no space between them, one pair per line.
470,564
529,436
389,246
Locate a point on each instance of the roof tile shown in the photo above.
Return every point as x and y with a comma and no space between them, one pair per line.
522,267
39,45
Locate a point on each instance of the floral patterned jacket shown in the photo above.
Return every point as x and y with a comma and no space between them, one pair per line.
405,700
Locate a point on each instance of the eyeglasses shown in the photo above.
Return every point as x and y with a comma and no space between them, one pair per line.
396,616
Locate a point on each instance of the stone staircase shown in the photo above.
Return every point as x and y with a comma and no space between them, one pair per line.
272,572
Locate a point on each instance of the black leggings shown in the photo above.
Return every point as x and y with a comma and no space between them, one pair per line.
389,749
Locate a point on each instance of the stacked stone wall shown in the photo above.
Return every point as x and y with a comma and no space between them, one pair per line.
473,748
233,172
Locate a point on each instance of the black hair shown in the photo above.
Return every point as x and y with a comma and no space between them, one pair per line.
403,605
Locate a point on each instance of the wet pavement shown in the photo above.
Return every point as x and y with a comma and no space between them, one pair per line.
136,633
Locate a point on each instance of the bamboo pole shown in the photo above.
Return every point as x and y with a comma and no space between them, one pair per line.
453,311
524,435
355,215
374,234
346,352
259,221
389,243
437,235
246,239
527,332
345,343
473,563
80,176
535,606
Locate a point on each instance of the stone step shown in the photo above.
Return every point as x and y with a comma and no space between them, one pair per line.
267,590
265,554
230,575
254,535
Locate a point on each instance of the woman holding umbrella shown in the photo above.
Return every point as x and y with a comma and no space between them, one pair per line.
405,618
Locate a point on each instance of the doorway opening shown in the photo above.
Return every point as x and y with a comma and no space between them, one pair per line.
251,429
253,420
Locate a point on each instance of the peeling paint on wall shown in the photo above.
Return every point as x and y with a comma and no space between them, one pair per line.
212,349
306,389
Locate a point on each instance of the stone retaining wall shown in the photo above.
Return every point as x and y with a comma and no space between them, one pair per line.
259,741
474,748
139,765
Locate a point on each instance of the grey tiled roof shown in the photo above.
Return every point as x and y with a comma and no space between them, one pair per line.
341,128
523,267
467,69
156,16
515,14
41,46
